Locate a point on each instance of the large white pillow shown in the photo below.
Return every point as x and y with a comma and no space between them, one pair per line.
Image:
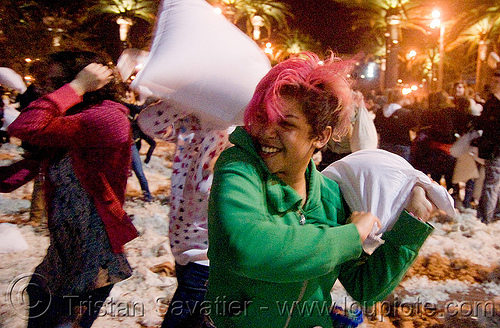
380,182
201,63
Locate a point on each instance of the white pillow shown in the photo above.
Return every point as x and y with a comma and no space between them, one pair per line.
12,80
202,63
380,182
130,61
11,239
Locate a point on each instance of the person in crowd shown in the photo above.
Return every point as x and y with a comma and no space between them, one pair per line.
198,145
394,123
436,135
338,149
334,150
137,136
469,107
373,103
8,113
86,138
466,112
280,232
17,174
38,212
489,149
139,173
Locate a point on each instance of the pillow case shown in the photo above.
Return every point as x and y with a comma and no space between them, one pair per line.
380,182
201,63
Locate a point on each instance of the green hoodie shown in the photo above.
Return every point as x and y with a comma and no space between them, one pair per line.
269,256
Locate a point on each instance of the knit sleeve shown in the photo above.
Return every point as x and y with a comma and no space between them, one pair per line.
45,123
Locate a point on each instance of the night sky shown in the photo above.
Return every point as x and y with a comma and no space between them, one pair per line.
326,21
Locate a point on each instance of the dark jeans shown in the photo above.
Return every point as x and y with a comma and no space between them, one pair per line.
48,310
139,172
185,309
489,204
469,193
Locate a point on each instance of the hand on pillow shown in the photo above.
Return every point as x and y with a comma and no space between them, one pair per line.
419,205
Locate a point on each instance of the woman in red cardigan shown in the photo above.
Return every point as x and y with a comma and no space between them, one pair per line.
86,136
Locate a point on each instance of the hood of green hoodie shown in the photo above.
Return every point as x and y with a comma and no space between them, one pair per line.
284,197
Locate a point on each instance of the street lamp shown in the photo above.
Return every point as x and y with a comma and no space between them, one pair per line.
411,55
269,48
125,23
393,20
436,23
257,22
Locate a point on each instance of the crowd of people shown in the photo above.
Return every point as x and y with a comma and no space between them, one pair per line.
279,231
446,135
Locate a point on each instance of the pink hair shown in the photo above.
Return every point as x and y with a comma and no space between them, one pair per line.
305,71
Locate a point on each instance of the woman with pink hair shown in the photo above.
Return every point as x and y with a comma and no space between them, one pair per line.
280,233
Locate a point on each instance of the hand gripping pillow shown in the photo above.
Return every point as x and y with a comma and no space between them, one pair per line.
380,182
201,63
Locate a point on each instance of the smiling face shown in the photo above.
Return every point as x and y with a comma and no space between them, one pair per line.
286,146
296,108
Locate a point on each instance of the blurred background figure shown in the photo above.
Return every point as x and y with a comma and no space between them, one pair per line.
394,123
436,135
137,136
85,135
468,166
489,149
8,113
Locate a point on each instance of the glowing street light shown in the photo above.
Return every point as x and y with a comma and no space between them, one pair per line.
393,21
435,23
412,54
125,23
370,70
268,49
257,22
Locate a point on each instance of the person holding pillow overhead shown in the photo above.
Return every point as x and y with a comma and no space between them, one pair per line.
85,136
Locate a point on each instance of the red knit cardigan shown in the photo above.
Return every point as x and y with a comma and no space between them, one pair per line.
98,140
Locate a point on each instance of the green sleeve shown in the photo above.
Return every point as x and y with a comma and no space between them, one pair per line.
247,240
374,277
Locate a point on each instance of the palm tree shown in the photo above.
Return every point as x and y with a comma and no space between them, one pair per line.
253,15
386,19
33,28
284,44
479,30
474,22
125,13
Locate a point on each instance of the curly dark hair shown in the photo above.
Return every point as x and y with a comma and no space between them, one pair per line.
71,63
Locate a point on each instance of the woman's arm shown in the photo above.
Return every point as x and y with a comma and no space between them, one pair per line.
377,275
44,121
17,174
